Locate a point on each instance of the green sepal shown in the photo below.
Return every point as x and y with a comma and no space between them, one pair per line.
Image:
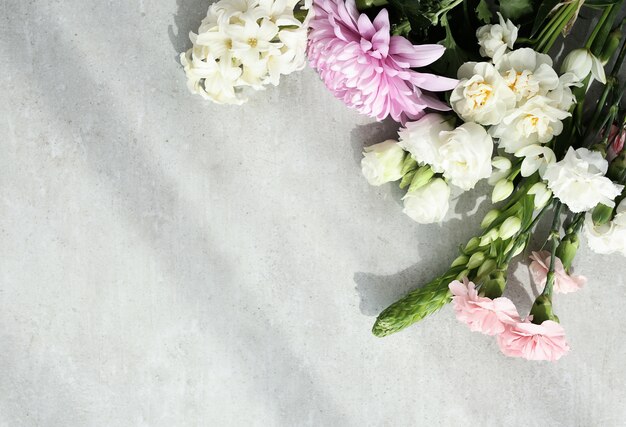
601,214
421,178
566,251
542,310
494,286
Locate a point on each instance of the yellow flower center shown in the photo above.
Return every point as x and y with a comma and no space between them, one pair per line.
252,42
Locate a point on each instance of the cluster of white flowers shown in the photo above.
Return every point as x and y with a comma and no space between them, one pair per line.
244,44
608,238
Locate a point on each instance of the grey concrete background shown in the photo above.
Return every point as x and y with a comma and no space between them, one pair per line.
165,261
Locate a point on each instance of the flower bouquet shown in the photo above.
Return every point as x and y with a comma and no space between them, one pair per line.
501,92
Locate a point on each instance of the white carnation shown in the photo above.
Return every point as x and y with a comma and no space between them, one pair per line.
244,44
482,95
578,180
496,40
466,155
608,238
382,162
429,203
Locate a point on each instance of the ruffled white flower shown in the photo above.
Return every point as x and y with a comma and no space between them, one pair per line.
465,155
496,40
581,62
382,162
562,96
528,73
244,44
421,138
482,95
429,203
536,158
535,121
578,180
607,238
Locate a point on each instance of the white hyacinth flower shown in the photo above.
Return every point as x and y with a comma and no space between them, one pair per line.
495,40
536,158
541,193
244,44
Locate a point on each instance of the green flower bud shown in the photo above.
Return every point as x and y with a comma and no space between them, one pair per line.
487,267
501,163
472,245
476,260
541,193
489,237
510,227
462,275
409,164
501,191
601,214
421,178
494,286
460,260
617,167
611,45
566,251
542,310
490,217
407,178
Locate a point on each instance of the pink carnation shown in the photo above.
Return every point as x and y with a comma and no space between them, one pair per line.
367,68
486,315
534,342
563,282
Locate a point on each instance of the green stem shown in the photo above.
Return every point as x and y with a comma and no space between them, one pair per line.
599,26
600,106
567,14
620,60
554,237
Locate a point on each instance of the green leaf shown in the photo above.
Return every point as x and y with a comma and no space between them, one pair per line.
515,9
543,12
483,13
600,3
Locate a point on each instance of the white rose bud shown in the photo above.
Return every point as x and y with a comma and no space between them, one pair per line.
428,204
382,162
510,227
578,180
581,62
466,155
502,190
541,193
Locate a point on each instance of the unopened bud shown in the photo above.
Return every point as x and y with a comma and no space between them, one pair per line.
581,62
460,260
510,227
501,163
487,267
421,177
489,237
462,275
541,193
476,260
502,190
494,286
472,245
490,217
601,214
611,45
542,310
566,251
617,166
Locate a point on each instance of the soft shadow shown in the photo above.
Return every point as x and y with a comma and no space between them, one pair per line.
187,18
370,134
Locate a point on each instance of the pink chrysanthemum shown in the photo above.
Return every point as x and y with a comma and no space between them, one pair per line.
534,342
481,314
367,68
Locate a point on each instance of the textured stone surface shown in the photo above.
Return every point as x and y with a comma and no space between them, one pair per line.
164,261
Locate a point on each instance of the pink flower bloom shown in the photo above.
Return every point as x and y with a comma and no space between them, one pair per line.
563,282
534,342
481,314
367,68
